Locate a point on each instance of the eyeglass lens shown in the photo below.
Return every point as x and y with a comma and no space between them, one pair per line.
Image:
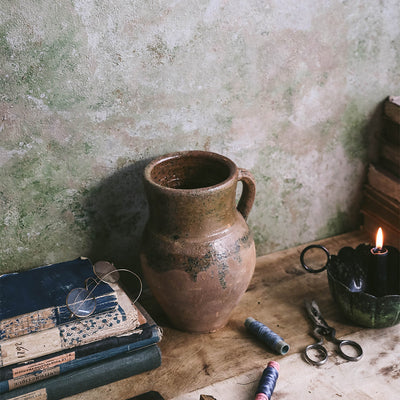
106,271
80,302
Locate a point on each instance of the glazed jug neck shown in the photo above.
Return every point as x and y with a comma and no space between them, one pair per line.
191,213
191,192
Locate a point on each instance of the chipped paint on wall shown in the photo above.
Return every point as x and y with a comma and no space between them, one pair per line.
91,91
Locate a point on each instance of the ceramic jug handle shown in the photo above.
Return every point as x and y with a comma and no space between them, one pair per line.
248,192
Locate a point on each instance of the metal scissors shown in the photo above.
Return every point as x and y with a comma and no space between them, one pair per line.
323,330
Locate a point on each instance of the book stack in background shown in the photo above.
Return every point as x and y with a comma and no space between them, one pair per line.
48,353
381,194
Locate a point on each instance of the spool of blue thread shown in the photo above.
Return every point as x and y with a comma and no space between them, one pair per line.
267,382
265,335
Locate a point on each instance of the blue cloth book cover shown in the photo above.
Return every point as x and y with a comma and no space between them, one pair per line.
120,321
35,300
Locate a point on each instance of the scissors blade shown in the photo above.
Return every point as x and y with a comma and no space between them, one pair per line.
316,316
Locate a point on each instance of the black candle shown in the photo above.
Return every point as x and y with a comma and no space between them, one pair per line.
377,268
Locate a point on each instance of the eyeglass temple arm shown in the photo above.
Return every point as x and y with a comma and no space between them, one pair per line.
112,272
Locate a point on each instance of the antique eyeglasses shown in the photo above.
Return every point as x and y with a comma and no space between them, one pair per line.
81,301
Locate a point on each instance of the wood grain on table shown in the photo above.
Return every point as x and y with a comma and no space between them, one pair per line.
275,297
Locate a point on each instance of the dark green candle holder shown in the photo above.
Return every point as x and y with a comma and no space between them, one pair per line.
348,283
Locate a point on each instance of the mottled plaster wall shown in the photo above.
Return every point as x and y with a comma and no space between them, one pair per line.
91,90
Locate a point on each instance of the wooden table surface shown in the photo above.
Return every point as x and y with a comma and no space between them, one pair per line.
276,297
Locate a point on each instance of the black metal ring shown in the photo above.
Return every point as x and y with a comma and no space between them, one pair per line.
306,267
354,345
322,352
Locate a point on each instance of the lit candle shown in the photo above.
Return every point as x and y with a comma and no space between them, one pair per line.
377,269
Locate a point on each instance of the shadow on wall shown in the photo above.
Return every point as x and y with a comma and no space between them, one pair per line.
374,129
366,149
117,211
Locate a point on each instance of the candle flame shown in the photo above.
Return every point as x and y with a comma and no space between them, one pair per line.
379,239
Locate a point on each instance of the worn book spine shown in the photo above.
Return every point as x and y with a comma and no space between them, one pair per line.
391,131
389,157
391,216
121,321
382,198
391,108
384,181
35,300
24,375
101,373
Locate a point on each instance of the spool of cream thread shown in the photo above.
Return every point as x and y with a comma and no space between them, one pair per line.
265,335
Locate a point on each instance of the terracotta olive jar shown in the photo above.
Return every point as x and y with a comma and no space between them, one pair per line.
197,254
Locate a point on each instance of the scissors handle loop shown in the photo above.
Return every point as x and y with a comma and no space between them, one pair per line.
320,354
354,345
308,268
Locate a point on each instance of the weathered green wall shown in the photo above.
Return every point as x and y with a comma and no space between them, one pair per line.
91,90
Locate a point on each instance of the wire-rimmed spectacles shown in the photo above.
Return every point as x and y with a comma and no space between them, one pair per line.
81,301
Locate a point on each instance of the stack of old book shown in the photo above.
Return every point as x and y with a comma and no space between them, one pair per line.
381,193
48,352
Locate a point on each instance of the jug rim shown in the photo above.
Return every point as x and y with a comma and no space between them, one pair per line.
190,153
